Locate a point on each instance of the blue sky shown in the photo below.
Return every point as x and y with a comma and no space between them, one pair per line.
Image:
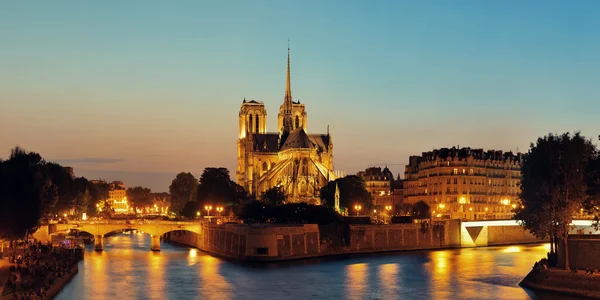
141,90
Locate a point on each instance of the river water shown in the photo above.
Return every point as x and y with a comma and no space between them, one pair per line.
127,269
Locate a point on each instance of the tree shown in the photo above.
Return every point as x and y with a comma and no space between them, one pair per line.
216,188
140,196
352,192
274,196
62,181
554,186
183,189
23,191
421,210
82,203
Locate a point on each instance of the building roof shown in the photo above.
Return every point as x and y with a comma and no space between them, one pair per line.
320,140
266,142
298,139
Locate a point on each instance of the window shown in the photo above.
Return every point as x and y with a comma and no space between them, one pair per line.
297,122
464,172
250,123
256,123
471,171
262,251
455,171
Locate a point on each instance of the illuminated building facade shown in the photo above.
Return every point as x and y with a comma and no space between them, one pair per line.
465,183
299,162
117,197
378,184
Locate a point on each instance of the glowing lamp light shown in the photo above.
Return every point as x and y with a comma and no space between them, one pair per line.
84,216
462,200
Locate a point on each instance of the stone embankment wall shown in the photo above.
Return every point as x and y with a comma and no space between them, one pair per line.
584,251
268,242
503,235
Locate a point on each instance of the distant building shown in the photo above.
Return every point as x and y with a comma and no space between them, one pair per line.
117,197
378,184
464,183
299,162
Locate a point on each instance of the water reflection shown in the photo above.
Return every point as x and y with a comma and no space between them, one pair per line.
127,269
155,287
356,280
388,280
215,285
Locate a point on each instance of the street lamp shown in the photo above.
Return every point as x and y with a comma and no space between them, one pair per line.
197,214
357,208
220,209
208,208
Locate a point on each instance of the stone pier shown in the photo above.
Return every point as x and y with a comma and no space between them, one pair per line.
98,242
155,243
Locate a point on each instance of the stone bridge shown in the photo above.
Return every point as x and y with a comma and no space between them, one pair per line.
101,228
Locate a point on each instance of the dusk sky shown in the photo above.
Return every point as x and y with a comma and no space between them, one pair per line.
141,90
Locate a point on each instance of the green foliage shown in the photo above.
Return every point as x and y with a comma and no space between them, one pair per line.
554,184
23,193
139,196
216,188
291,213
183,189
421,210
190,209
274,196
352,192
82,203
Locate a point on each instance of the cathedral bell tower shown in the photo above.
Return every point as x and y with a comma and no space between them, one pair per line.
253,118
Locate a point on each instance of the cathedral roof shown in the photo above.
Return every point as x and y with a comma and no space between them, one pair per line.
266,142
321,140
298,139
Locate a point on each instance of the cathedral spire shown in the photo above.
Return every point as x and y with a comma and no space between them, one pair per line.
287,100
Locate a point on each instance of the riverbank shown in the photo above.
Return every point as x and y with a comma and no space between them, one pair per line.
40,273
58,285
563,282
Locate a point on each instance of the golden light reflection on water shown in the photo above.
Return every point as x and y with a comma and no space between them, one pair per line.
128,271
156,276
440,274
512,249
95,263
214,286
356,280
388,280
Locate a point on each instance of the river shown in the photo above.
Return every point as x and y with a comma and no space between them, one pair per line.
127,269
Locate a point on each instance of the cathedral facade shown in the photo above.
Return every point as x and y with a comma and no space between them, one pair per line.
299,162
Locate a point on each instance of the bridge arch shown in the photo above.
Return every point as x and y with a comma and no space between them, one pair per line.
99,229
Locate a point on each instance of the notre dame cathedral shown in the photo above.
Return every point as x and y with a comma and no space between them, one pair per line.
299,162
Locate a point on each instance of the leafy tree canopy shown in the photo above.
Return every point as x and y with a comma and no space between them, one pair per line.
421,210
216,188
274,196
352,192
140,196
554,186
23,191
183,189
291,213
